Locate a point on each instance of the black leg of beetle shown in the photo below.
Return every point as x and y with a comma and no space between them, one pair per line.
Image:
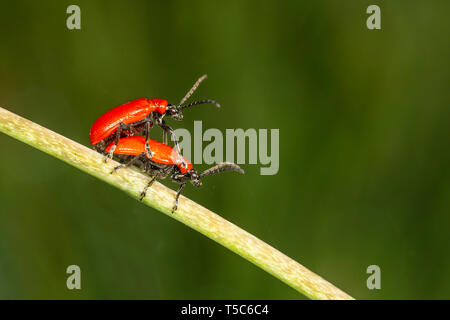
147,139
147,122
129,163
175,207
168,129
122,126
143,193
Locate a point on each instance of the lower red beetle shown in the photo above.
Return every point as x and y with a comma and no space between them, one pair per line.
137,116
165,161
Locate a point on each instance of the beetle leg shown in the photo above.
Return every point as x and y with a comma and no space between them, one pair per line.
110,153
175,207
122,126
146,187
148,125
168,129
129,163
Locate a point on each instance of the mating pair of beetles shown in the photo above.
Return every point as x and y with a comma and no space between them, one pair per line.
114,133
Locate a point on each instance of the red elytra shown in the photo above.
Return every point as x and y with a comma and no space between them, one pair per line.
162,153
127,113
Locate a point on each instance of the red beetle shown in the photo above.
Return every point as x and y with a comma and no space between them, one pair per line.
166,160
137,116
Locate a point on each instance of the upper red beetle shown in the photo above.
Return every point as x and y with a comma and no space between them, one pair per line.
137,116
166,160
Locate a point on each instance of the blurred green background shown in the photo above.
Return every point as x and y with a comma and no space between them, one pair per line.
364,159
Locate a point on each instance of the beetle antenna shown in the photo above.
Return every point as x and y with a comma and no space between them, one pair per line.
221,167
199,102
194,87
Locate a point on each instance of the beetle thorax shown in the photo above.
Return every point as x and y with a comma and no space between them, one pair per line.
159,105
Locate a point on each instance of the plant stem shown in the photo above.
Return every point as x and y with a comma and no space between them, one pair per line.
162,199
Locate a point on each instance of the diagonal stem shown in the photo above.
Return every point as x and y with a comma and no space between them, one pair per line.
162,198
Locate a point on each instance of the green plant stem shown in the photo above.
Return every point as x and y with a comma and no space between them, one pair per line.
162,199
